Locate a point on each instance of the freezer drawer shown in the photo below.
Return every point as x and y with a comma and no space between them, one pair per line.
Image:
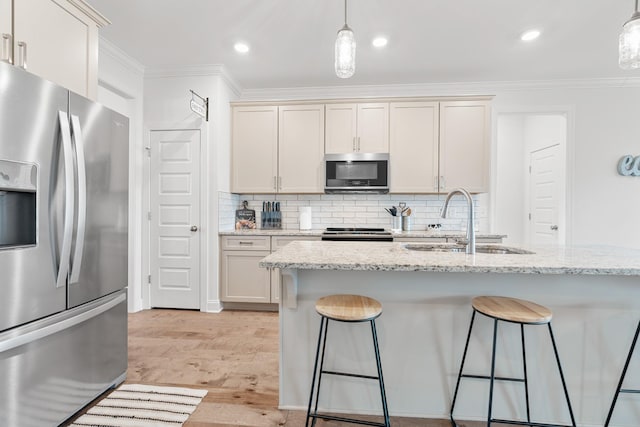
52,368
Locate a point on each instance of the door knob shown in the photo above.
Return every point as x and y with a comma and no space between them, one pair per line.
194,228
554,227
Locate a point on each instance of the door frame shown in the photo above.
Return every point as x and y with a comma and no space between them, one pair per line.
568,111
205,226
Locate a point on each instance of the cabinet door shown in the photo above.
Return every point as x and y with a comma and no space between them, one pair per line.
301,149
5,30
254,151
61,43
413,147
465,145
242,279
373,128
340,129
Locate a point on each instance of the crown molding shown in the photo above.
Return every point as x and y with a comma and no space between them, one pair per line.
92,13
195,71
117,54
431,89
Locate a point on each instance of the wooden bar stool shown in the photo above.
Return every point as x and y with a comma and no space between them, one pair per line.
345,308
619,389
514,311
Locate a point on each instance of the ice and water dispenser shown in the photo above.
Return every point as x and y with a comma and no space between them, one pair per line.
18,219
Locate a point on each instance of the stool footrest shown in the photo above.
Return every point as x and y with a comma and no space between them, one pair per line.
347,374
346,420
485,377
527,423
629,390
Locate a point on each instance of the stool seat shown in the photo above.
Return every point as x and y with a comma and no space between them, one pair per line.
512,310
349,308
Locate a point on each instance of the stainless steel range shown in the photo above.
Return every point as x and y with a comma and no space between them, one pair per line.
357,234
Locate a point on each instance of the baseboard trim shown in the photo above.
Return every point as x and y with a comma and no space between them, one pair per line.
249,306
213,306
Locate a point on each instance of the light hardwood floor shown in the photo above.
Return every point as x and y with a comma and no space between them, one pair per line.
233,354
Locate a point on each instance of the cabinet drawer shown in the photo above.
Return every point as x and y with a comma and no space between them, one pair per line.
279,242
253,243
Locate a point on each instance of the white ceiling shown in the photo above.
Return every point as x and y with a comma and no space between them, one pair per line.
430,41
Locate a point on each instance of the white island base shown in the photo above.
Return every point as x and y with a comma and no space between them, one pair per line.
422,331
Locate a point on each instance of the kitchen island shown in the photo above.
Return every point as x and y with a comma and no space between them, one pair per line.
593,292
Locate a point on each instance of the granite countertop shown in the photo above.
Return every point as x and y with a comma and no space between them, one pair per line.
395,234
383,256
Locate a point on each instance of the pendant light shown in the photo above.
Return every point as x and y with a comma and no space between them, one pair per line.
345,50
630,42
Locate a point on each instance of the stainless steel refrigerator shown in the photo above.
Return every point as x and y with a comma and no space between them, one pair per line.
63,250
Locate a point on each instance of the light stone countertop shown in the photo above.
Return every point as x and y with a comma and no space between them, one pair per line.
395,234
383,256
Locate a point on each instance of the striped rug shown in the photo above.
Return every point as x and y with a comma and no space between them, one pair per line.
136,405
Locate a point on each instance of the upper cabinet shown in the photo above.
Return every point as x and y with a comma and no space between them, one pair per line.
353,128
301,149
278,149
465,129
439,146
55,39
413,147
254,153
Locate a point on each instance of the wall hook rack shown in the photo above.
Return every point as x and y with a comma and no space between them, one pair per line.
200,106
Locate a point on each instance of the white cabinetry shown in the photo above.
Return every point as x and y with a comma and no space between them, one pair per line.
301,149
413,147
278,149
55,39
439,146
242,280
360,128
465,128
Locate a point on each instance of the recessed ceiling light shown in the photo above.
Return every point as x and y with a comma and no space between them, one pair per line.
380,42
241,47
530,35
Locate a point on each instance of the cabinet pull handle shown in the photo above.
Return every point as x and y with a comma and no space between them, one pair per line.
354,144
245,243
358,144
279,183
7,45
275,185
22,55
442,185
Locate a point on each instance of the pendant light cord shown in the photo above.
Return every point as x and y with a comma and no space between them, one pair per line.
345,11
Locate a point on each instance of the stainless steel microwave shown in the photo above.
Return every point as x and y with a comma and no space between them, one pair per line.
356,173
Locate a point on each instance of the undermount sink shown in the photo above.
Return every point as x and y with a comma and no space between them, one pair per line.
480,249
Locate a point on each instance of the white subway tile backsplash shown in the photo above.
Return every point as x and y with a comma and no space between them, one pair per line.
353,210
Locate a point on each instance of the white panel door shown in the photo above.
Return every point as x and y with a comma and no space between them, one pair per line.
373,128
544,196
413,147
301,149
340,129
175,219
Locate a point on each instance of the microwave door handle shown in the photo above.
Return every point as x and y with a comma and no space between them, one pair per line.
76,263
69,196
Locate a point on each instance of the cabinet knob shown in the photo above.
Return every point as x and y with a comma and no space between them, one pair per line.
194,228
554,227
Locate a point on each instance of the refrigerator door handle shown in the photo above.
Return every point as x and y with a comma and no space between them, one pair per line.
69,200
76,263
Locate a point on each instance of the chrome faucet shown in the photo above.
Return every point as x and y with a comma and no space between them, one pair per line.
471,233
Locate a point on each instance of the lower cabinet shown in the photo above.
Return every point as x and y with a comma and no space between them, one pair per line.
241,278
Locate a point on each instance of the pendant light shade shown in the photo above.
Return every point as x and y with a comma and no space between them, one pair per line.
630,42
345,50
